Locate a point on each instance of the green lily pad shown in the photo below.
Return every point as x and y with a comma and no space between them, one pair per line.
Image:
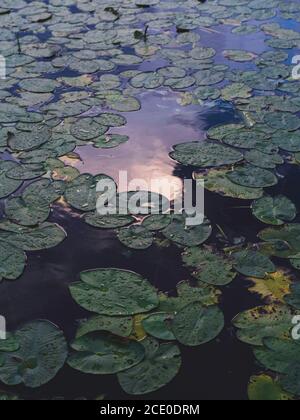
111,120
102,353
136,237
157,222
282,121
205,155
150,80
253,264
10,343
114,292
262,322
284,242
37,85
120,326
264,388
216,180
8,185
293,298
45,190
29,211
195,324
243,138
288,141
81,193
26,141
109,221
12,261
161,364
208,267
42,353
177,231
26,172
110,141
45,236
263,160
277,354
158,325
239,55
252,177
87,129
274,210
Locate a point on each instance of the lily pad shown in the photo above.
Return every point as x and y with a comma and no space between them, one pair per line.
109,221
42,353
110,141
208,267
177,231
120,326
274,210
252,177
29,211
160,366
195,325
264,388
284,242
81,193
8,185
114,292
262,322
253,264
205,155
216,180
45,236
263,160
136,237
12,261
158,325
102,353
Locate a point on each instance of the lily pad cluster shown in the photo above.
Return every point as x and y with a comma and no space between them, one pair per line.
135,330
74,72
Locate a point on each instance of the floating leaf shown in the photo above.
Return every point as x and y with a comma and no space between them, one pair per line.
284,242
195,324
262,322
12,261
109,221
7,185
274,287
160,366
252,177
136,237
274,210
182,234
101,353
121,326
253,264
208,267
42,353
114,292
264,388
216,180
205,155
158,325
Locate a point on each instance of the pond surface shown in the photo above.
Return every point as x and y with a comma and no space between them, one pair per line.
52,38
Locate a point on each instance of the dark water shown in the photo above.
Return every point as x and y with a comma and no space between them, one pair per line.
219,370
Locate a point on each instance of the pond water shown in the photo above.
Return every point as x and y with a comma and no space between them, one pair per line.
222,367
